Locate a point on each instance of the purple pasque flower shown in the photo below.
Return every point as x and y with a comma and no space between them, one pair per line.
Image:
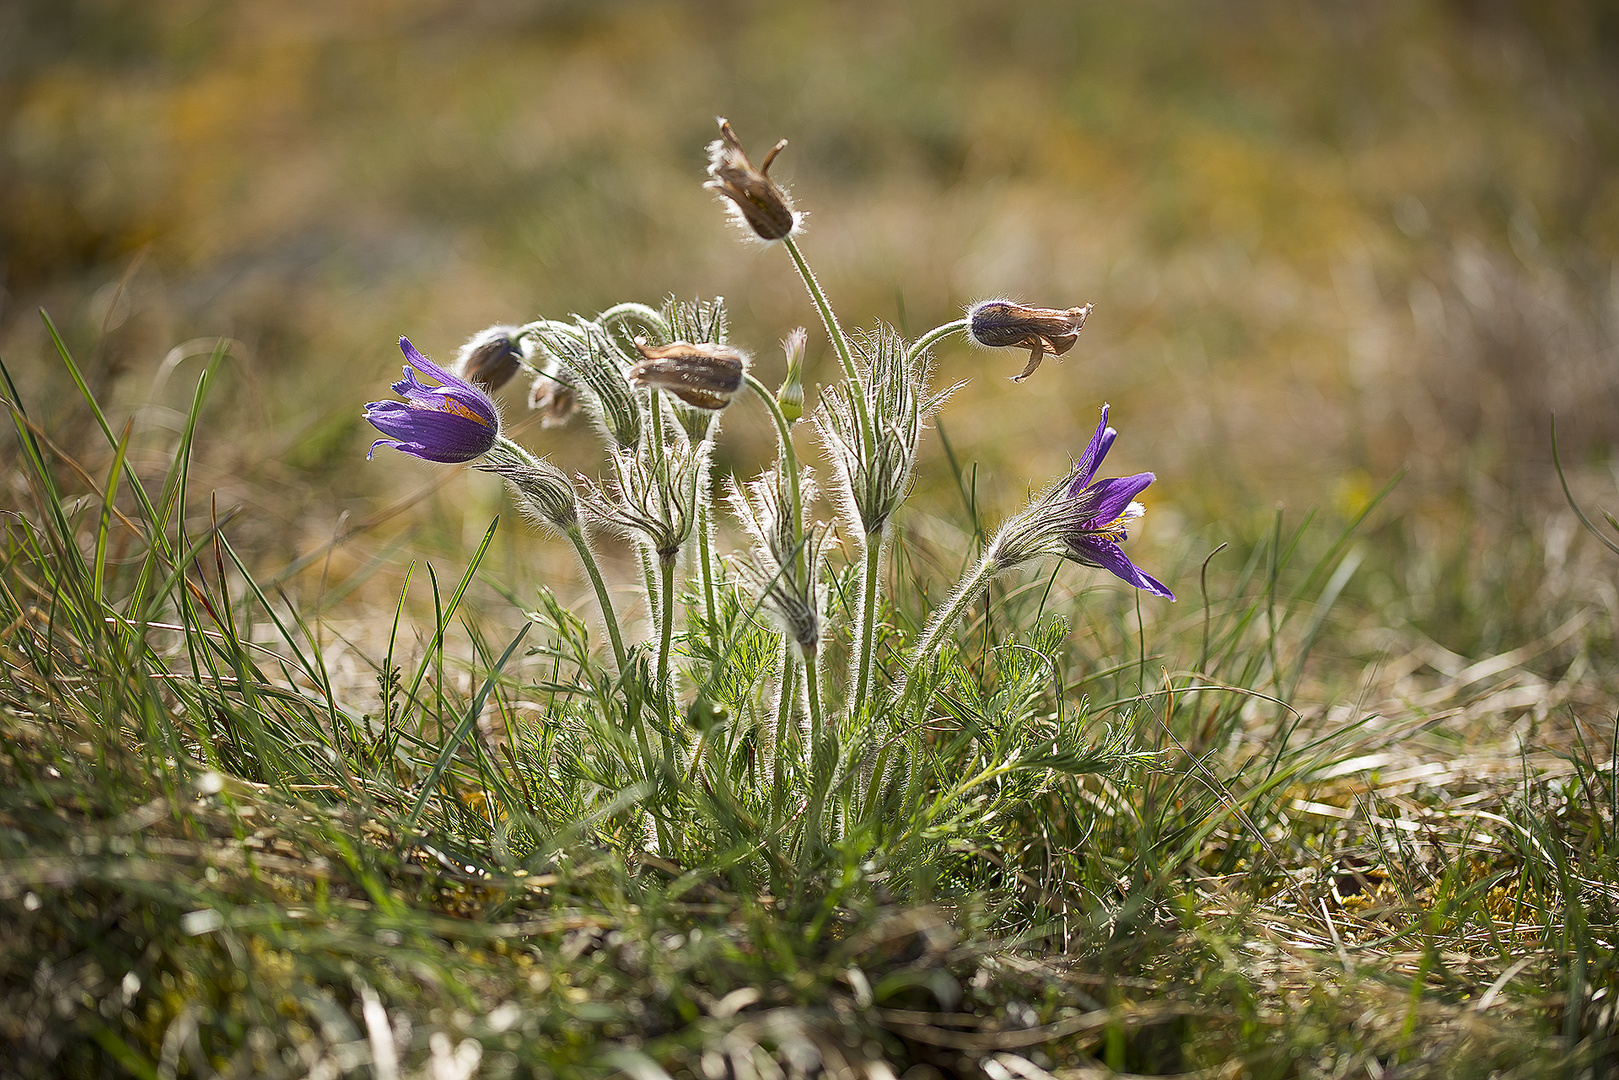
1082,519
452,422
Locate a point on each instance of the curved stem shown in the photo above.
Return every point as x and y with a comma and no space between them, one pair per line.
868,619
784,434
945,619
577,536
528,329
631,310
944,330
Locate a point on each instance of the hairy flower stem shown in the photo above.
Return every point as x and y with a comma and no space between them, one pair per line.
820,778
923,343
944,621
666,568
868,618
648,316
784,434
784,721
576,536
839,342
705,555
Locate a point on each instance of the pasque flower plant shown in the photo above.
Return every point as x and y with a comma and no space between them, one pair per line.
656,381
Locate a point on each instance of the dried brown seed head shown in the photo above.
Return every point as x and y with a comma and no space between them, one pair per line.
757,201
555,402
704,375
1006,324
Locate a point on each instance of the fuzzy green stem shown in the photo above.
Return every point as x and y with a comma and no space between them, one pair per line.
945,619
666,569
784,721
631,310
814,690
839,342
868,619
818,781
944,330
784,434
705,556
576,535
533,328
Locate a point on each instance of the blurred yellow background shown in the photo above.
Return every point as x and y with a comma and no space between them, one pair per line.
1323,240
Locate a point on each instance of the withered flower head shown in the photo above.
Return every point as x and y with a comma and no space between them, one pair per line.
1005,324
555,401
704,375
490,357
757,201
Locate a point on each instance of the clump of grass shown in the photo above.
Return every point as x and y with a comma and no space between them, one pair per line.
805,820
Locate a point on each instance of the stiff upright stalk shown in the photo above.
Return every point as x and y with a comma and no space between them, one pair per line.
576,536
839,342
666,572
820,779
705,556
784,718
868,619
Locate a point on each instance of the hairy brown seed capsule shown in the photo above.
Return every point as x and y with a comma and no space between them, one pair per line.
704,375
758,201
1006,324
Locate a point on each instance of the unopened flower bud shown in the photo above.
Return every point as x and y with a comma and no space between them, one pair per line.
757,201
490,357
703,375
790,397
1005,324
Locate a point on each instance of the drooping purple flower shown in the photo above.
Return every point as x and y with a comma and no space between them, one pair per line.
1082,519
452,422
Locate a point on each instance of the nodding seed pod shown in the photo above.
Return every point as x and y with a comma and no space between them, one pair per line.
704,375
1006,324
757,202
554,400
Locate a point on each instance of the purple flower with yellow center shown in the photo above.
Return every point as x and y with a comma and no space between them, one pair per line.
1081,519
452,422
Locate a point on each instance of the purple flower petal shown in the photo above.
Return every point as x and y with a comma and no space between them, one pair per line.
1114,496
451,422
1091,460
424,365
433,435
451,387
1106,555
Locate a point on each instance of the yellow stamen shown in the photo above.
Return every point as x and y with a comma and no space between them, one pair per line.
450,405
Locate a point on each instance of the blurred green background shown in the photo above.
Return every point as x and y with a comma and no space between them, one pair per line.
1324,241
